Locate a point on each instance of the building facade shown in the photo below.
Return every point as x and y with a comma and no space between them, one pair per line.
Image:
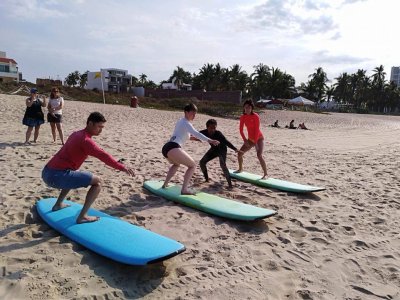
395,75
8,69
109,80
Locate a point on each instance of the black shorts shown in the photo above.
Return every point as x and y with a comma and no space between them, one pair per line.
56,118
169,146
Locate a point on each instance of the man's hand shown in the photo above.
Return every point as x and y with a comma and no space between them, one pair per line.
214,142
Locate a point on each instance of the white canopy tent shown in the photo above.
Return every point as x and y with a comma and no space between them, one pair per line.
301,101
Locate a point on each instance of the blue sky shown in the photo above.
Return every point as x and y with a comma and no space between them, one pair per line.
52,38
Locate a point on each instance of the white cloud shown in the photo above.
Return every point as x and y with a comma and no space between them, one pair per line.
54,37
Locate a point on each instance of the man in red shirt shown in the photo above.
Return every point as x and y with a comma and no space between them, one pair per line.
61,171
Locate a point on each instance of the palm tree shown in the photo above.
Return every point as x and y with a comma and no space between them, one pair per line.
206,76
142,78
377,85
319,79
259,81
342,88
180,76
329,93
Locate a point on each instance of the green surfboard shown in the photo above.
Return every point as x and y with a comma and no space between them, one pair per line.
273,183
209,203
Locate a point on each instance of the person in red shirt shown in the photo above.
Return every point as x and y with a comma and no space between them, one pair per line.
254,138
62,172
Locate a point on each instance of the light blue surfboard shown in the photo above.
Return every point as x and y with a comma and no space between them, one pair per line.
110,236
273,183
208,203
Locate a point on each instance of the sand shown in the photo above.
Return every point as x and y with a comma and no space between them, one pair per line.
342,243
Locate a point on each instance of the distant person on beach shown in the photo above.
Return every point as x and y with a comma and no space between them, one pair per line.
302,126
291,125
276,125
54,117
61,172
174,153
255,138
219,151
33,116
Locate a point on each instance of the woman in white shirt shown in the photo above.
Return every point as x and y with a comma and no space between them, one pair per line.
174,153
54,117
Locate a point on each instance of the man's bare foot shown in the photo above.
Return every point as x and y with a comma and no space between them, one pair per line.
238,171
188,192
61,206
164,186
265,176
87,219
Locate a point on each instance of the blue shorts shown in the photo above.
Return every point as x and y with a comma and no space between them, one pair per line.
66,179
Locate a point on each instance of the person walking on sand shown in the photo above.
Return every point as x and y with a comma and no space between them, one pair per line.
33,116
219,151
54,117
255,138
174,153
62,172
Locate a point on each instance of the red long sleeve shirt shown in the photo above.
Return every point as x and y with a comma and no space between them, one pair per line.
75,151
252,123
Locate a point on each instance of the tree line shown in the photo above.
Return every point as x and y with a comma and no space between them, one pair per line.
364,93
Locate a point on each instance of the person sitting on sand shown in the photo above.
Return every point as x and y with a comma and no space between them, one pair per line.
174,153
291,125
302,126
276,125
61,171
216,151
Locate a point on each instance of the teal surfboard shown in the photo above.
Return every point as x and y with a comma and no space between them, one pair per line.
110,236
273,183
209,203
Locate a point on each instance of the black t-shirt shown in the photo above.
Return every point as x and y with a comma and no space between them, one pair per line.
223,142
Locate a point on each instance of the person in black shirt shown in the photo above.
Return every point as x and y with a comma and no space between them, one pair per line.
216,151
33,116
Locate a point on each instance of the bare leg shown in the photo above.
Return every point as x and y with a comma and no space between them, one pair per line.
186,179
59,205
36,133
90,197
246,147
259,149
60,132
179,156
171,172
53,131
28,134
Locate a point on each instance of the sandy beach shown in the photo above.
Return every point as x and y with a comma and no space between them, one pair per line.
341,243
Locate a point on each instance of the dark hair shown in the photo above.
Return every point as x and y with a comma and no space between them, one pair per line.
95,117
53,92
249,102
211,122
190,107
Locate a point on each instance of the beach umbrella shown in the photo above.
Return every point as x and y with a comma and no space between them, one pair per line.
301,101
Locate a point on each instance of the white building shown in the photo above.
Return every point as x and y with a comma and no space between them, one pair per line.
174,85
395,75
111,80
8,69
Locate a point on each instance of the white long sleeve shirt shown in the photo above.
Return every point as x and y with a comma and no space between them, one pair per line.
183,130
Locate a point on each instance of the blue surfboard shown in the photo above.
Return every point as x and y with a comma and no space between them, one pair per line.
212,204
110,236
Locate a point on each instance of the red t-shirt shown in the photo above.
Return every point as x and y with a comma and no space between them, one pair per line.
252,123
75,151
